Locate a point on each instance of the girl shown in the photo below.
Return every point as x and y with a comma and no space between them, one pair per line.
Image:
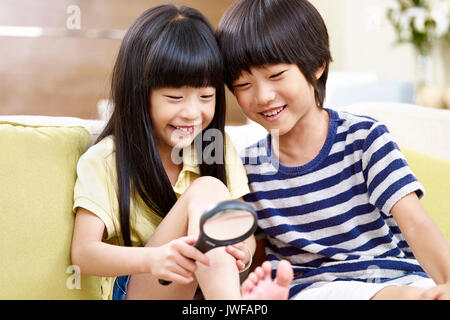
333,192
137,200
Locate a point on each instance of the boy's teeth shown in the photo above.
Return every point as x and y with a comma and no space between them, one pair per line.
272,113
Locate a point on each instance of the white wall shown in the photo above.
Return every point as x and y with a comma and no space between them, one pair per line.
361,39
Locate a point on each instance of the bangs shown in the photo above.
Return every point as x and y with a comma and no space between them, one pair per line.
186,54
258,33
251,50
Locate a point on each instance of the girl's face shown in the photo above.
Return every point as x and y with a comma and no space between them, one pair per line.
179,114
275,96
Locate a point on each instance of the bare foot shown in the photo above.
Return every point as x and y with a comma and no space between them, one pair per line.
260,286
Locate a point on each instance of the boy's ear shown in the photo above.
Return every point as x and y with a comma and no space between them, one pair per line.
320,71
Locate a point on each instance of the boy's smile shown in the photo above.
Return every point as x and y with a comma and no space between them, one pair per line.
273,113
275,96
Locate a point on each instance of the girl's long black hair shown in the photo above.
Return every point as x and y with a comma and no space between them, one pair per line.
167,46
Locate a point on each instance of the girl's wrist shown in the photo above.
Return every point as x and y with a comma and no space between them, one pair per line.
249,259
147,260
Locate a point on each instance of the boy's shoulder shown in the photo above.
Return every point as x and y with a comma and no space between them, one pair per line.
358,126
348,119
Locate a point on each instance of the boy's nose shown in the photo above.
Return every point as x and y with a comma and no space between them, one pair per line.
265,95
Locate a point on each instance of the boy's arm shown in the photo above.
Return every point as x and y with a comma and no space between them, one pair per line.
424,237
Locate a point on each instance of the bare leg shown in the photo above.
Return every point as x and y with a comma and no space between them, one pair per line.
260,286
221,279
399,293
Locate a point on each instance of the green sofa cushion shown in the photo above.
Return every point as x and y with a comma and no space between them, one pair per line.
434,174
37,177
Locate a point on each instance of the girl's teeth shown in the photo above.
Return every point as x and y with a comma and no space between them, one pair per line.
184,129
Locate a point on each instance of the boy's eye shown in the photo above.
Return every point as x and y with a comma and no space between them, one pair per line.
277,74
241,85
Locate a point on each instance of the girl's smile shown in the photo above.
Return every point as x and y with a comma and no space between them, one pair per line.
180,114
183,130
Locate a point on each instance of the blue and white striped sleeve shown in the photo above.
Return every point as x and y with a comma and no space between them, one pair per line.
386,172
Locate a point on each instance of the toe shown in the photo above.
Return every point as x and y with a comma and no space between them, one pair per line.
284,273
247,287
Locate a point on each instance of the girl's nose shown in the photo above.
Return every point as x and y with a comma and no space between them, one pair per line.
191,111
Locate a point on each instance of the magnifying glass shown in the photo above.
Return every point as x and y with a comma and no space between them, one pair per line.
223,224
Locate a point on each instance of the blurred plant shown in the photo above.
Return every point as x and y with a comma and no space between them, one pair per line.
420,22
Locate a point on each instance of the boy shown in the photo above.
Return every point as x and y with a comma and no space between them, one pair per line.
333,192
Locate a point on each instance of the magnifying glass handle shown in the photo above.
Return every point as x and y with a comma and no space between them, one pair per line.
164,282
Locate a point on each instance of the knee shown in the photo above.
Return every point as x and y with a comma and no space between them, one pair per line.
207,186
414,293
205,191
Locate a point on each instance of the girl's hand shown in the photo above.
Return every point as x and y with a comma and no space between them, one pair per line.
439,292
175,261
241,253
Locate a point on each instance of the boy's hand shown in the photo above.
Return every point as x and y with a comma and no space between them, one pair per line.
439,292
241,253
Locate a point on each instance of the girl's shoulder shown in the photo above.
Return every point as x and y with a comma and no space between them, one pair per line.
102,150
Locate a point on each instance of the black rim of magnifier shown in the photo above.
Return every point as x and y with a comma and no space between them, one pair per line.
230,205
211,243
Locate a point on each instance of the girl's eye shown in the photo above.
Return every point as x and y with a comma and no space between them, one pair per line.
207,96
276,75
174,97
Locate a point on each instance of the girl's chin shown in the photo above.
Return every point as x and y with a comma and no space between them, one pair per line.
181,143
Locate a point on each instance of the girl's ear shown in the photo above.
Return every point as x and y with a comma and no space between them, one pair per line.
320,71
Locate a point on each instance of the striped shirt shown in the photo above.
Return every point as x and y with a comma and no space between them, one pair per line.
331,217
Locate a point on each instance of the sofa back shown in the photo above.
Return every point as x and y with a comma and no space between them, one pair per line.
37,177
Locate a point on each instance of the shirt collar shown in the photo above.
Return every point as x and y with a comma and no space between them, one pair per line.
190,162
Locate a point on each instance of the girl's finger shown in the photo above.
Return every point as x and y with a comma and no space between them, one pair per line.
240,265
189,239
175,277
181,269
237,254
192,253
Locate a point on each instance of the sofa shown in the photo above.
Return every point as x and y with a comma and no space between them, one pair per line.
38,171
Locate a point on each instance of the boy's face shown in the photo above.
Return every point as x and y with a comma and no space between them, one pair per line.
275,96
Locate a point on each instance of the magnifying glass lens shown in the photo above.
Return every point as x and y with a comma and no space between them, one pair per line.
228,224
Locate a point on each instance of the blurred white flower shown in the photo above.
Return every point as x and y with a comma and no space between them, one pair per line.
420,22
442,23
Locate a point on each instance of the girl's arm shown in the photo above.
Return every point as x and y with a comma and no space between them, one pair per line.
95,257
424,237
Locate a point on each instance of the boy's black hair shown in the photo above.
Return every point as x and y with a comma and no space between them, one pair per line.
254,33
167,46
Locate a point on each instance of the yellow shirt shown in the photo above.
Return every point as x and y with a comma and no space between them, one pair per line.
96,190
